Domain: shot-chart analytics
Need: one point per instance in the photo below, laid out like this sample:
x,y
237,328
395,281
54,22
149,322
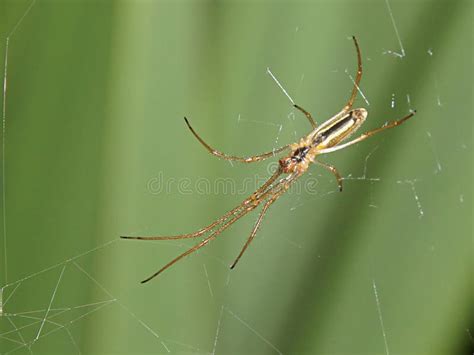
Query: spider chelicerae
x,y
325,138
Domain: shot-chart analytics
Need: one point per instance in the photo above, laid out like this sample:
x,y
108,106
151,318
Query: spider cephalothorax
x,y
298,160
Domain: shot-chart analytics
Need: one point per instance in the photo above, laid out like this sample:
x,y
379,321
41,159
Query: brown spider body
x,y
325,138
332,132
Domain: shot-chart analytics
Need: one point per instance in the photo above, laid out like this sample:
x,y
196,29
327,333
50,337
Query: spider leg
x,y
285,184
307,114
204,242
349,104
218,231
256,226
333,170
255,196
367,135
219,154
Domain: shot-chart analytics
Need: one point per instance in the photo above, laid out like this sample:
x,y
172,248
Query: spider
x,y
325,138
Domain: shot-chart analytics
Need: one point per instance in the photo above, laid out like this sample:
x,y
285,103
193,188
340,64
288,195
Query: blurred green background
x,y
96,95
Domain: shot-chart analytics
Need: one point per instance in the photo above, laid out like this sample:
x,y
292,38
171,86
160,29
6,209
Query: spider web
x,y
82,297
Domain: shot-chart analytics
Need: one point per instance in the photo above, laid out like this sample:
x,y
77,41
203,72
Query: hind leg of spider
x,y
349,104
333,170
307,114
367,134
219,154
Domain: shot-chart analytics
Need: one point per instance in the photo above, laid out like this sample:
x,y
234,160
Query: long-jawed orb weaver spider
x,y
325,138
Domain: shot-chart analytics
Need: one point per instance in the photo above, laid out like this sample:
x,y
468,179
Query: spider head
x,y
287,165
297,160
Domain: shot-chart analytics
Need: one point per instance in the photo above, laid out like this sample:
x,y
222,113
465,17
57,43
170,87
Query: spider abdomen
x,y
337,130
